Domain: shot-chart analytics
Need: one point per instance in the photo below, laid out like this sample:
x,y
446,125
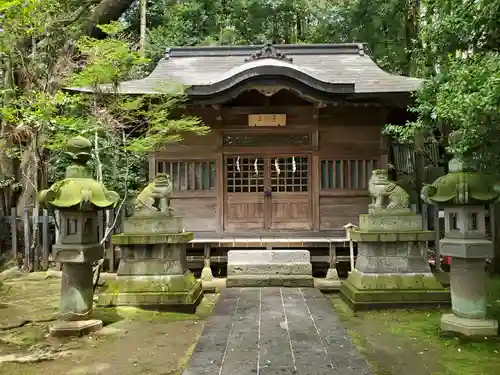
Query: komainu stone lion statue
x,y
159,190
381,190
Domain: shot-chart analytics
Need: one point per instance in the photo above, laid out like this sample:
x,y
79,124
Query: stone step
x,y
241,281
268,256
258,268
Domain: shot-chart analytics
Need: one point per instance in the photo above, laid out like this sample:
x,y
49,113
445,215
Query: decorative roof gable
x,y
269,52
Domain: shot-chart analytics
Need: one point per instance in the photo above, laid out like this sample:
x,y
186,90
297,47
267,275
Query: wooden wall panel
x,y
290,212
335,212
350,133
199,214
192,146
358,142
350,116
244,212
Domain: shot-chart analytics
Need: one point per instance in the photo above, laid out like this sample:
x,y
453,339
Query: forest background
x,y
46,45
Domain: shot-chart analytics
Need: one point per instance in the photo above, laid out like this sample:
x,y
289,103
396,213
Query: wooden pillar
x,y
206,273
58,235
315,172
419,168
27,240
437,230
332,273
219,188
38,239
45,240
152,165
13,231
315,187
110,250
385,141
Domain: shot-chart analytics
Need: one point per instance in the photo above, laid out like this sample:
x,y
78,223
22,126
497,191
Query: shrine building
x,y
295,134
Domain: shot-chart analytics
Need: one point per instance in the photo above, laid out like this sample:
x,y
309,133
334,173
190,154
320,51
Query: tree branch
x,y
104,13
76,14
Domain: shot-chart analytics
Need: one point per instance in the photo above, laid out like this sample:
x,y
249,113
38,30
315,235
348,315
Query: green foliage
x,y
123,127
459,55
379,23
463,99
108,60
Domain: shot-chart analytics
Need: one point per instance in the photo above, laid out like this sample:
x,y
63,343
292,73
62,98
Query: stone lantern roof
x,y
78,188
463,185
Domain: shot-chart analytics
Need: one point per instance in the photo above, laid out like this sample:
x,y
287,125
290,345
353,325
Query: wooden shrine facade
x,y
308,175
295,134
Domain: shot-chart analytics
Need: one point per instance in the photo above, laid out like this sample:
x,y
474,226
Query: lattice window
x,y
346,174
289,174
266,139
189,175
244,174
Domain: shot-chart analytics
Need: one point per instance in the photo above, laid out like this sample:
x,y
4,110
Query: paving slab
x,y
275,331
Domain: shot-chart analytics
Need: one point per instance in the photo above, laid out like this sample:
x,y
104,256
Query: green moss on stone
x,y
393,281
163,292
480,189
393,236
369,299
160,284
138,239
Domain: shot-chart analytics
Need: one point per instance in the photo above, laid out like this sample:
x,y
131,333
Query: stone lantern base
x,y
469,327
153,274
64,328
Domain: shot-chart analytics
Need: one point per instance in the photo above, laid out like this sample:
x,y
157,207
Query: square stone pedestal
x,y
392,269
177,293
469,327
153,274
259,268
64,328
363,291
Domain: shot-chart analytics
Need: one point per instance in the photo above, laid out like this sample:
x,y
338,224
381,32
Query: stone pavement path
x,y
275,331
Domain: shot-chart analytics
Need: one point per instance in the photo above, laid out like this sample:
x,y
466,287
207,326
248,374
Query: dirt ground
x,y
132,342
409,342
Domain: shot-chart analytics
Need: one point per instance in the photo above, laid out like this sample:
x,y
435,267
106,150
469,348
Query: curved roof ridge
x,y
324,66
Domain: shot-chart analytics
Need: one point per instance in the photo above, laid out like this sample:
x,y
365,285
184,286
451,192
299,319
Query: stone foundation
x,y
166,292
391,267
64,328
469,327
259,268
154,274
363,291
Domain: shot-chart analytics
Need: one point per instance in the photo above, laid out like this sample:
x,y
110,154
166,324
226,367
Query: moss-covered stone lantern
x,y
463,194
78,198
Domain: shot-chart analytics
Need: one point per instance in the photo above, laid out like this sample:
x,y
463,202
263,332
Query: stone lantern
x,y
78,198
463,194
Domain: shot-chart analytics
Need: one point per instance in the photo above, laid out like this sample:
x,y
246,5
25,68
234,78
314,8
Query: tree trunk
x,y
411,34
106,12
143,27
495,230
6,167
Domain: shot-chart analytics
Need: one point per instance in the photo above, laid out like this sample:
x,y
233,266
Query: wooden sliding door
x,y
267,193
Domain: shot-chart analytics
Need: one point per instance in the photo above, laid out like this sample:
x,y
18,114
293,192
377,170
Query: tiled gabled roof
x,y
327,67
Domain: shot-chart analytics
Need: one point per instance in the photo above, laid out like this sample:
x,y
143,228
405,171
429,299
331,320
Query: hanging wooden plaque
x,y
267,120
